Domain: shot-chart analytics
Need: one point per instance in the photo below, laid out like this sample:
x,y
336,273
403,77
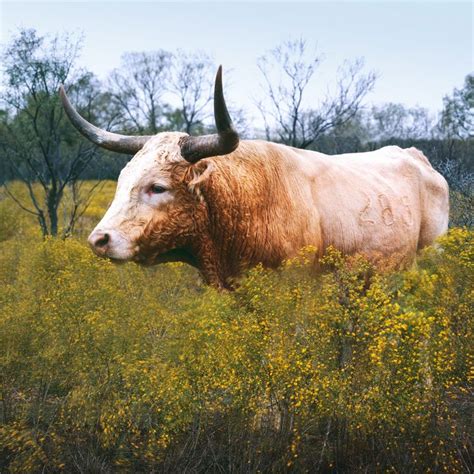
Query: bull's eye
x,y
157,189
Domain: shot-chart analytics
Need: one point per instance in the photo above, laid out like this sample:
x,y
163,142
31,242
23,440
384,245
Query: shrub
x,y
107,368
14,222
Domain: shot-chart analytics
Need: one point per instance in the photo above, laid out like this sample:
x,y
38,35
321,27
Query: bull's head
x,y
154,212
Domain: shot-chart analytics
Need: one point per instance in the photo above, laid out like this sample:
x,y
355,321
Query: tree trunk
x,y
52,202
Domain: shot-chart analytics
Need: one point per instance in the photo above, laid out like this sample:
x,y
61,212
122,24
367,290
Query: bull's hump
x,y
163,147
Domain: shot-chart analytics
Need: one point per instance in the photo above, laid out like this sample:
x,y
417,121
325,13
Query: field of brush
x,y
107,368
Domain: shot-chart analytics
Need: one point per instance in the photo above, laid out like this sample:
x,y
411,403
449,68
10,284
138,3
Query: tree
x,y
457,117
461,196
456,127
348,137
42,149
287,71
192,82
137,88
392,120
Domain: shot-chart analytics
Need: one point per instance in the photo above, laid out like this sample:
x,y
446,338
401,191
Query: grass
x,y
108,368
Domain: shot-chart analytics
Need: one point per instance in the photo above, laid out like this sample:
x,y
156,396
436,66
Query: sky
x,y
420,50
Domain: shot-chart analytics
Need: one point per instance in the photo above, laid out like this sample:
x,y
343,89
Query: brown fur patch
x,y
234,218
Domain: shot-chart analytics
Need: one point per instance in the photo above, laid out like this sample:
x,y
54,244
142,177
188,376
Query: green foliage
x,y
107,368
38,144
14,222
457,118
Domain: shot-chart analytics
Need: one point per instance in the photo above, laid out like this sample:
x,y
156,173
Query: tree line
x,y
161,90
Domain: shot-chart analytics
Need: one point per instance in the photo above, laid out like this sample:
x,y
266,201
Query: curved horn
x,y
223,142
111,141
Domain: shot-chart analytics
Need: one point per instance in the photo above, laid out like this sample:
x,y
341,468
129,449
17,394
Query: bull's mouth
x,y
118,261
177,255
183,255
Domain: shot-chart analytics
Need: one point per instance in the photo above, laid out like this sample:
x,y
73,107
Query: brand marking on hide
x,y
387,213
363,213
407,216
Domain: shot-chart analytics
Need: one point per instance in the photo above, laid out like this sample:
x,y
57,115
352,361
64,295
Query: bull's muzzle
x,y
100,242
111,243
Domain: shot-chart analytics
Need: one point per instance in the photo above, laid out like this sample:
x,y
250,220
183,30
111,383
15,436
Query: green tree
x,y
41,147
457,118
391,120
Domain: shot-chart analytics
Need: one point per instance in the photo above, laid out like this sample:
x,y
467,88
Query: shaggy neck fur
x,y
250,213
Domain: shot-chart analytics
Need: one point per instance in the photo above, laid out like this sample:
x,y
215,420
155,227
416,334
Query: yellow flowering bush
x,y
108,368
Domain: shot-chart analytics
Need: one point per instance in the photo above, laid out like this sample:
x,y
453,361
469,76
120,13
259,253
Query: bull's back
x,y
385,204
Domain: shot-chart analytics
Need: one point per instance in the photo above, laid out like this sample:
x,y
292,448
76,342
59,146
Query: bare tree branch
x,y
192,82
287,73
137,89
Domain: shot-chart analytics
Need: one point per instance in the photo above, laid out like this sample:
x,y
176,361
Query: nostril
x,y
102,241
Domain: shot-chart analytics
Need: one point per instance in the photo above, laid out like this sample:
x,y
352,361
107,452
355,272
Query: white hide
x,y
133,205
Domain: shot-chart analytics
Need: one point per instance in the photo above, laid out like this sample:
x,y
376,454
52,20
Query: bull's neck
x,y
247,203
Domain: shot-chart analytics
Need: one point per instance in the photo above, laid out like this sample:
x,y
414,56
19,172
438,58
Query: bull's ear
x,y
199,174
